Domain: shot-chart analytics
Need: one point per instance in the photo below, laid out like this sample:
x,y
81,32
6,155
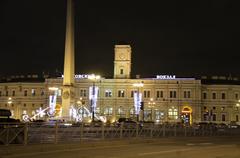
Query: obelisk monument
x,y
69,64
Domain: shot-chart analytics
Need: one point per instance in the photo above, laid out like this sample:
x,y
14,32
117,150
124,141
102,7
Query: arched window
x,y
159,115
121,111
223,117
132,112
173,113
214,117
108,111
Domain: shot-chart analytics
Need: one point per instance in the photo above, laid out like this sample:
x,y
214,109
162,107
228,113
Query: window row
x,y
145,94
215,95
213,117
25,93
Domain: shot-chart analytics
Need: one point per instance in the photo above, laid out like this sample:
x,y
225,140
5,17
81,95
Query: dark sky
x,y
185,38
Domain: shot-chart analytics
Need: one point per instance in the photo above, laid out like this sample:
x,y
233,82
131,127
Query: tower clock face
x,y
121,56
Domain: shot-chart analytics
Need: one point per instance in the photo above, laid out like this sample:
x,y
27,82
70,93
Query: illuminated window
x,y
108,111
121,112
173,113
83,112
159,115
108,93
59,92
121,93
132,112
33,92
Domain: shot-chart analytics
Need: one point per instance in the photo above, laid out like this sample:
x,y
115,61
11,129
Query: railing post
x,y
7,139
121,130
194,131
137,130
81,131
175,130
56,133
25,134
164,130
151,134
102,130
185,131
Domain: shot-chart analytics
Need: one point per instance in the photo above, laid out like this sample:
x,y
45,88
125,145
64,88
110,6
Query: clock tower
x,y
122,61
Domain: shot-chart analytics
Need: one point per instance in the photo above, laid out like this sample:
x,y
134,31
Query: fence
x,y
35,133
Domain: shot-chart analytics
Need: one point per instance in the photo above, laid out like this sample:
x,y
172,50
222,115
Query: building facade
x,y
165,98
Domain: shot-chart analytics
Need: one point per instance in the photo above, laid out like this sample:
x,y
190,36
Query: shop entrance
x,y
186,115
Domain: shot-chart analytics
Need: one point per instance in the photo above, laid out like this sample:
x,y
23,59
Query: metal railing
x,y
35,133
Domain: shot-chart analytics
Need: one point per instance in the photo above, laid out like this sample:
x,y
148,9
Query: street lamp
x,y
151,104
9,101
93,96
138,99
238,104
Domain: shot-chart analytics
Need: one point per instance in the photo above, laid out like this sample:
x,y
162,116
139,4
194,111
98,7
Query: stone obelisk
x,y
69,64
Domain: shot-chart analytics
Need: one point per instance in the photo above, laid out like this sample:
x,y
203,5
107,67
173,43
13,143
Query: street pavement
x,y
178,147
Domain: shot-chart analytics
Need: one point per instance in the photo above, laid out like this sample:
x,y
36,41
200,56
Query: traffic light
x,y
141,105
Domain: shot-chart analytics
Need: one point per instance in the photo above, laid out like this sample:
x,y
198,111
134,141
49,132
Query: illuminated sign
x,y
166,77
82,76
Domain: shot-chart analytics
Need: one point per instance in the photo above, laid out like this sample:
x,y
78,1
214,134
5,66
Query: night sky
x,y
186,38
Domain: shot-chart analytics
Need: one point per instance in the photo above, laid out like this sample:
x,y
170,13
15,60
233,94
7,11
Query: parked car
x,y
233,124
126,122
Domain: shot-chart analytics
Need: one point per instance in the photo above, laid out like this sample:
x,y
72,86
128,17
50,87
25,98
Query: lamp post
x,y
237,109
138,99
151,104
93,95
238,104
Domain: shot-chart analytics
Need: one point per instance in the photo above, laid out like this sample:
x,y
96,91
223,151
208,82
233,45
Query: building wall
x,y
113,106
24,100
225,102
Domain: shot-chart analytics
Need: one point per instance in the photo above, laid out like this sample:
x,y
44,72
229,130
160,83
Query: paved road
x,y
203,147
